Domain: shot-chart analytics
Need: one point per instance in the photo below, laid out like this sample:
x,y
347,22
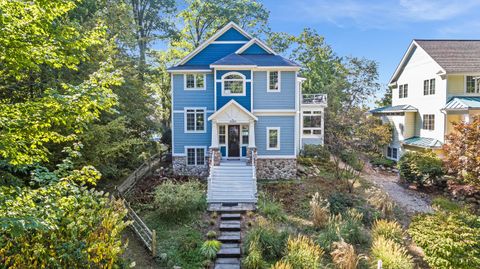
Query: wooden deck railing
x,y
144,169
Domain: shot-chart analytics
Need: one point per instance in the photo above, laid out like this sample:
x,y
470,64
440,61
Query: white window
x,y
195,120
221,134
273,81
273,138
194,81
429,121
195,155
472,84
392,153
312,122
244,134
429,87
403,91
233,84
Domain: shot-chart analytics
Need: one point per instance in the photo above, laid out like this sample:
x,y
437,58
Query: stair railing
x,y
211,163
254,171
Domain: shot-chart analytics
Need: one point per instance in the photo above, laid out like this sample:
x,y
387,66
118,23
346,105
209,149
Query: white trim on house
x,y
311,129
297,123
212,38
230,42
465,84
277,156
183,111
207,71
205,154
278,138
274,112
232,102
251,90
243,80
255,67
259,43
246,80
185,88
215,89
204,120
171,116
279,81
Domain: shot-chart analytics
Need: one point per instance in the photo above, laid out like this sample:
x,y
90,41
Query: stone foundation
x,y
181,168
276,168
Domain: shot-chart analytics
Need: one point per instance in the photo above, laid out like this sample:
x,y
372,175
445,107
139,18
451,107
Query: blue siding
x,y
244,151
287,134
285,99
245,101
212,53
255,49
232,35
223,151
183,98
182,139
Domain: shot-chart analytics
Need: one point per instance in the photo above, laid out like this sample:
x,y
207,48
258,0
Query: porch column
x,y
214,134
251,134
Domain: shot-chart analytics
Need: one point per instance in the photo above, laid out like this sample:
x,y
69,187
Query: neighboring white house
x,y
436,83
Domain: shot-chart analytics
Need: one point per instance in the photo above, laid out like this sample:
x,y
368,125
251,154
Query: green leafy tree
x,y
386,100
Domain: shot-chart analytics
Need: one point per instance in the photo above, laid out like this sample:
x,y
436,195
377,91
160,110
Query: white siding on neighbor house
x,y
421,67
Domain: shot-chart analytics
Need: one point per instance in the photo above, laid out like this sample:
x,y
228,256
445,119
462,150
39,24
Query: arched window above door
x,y
233,84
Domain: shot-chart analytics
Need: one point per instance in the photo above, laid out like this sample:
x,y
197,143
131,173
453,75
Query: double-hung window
x,y
196,156
273,81
429,87
221,134
312,122
403,91
195,120
273,138
472,84
429,121
244,134
233,84
392,153
194,81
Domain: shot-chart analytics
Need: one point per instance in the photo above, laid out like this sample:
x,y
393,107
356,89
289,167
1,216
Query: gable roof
x,y
255,41
213,38
235,104
463,103
453,56
254,60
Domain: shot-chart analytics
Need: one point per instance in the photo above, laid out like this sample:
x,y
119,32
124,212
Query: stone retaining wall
x,y
181,168
276,168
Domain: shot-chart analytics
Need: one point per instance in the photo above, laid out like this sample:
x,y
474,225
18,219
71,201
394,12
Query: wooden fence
x,y
146,168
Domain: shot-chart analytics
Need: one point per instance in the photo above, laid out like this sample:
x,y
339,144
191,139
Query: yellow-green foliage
x,y
381,201
281,265
388,230
320,211
61,225
449,239
303,253
344,256
173,198
393,255
254,259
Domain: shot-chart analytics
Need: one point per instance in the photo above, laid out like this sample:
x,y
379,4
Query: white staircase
x,y
232,182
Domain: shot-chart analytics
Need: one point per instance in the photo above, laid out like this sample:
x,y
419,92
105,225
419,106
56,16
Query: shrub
x,y
339,202
392,255
442,203
303,253
389,230
352,158
420,167
344,256
211,235
318,152
270,208
269,240
456,237
173,198
320,211
382,161
210,248
281,265
462,157
381,201
254,259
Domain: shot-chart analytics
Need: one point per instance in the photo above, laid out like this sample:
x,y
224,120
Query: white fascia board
x,y
191,71
258,42
277,68
212,38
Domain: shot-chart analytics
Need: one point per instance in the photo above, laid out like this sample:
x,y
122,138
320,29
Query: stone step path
x,y
230,227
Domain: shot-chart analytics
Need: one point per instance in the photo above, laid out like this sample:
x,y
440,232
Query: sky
x,y
379,30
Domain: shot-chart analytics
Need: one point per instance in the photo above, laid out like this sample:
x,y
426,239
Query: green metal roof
x,y
423,142
463,103
394,109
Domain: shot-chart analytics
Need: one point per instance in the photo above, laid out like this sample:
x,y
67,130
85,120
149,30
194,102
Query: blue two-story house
x,y
235,101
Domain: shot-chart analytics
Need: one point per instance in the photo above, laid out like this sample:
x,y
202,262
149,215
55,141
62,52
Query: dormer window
x,y
194,82
273,81
233,84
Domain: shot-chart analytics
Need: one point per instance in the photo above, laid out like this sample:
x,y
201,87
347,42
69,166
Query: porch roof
x,y
423,142
393,109
462,103
232,112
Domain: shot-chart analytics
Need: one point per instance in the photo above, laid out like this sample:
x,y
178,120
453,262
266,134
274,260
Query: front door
x,y
234,141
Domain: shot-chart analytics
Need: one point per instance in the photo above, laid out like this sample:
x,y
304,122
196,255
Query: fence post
x,y
379,264
154,243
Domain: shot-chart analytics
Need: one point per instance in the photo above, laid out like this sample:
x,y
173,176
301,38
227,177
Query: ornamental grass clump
x,y
344,256
381,201
254,259
281,265
270,241
210,248
320,213
172,198
392,255
389,230
303,253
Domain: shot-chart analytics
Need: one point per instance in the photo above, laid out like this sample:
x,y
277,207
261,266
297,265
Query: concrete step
x,y
229,237
236,200
228,216
229,253
231,245
227,266
237,207
228,261
230,225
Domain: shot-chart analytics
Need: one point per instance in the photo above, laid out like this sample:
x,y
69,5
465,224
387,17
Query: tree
x,y
386,100
462,154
